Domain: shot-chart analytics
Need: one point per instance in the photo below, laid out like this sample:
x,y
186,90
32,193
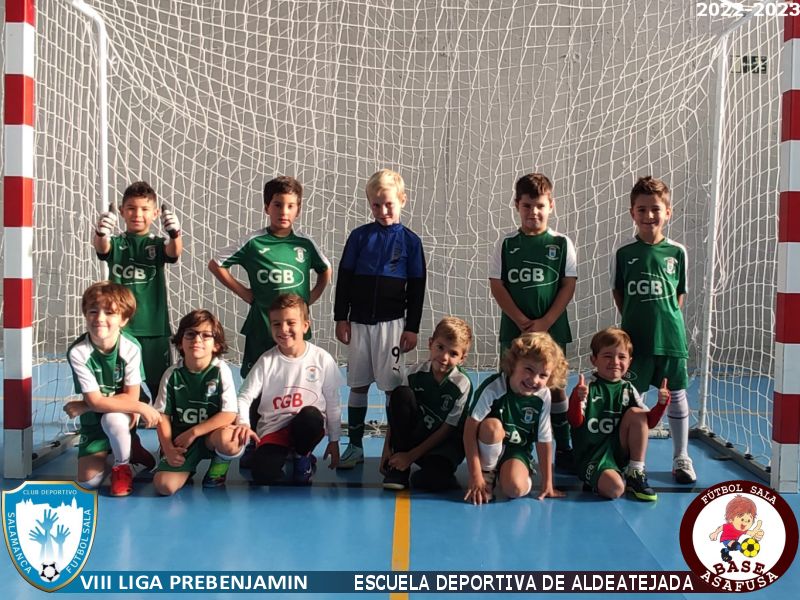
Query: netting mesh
x,y
207,103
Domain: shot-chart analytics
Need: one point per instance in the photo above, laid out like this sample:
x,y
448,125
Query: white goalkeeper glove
x,y
169,221
107,223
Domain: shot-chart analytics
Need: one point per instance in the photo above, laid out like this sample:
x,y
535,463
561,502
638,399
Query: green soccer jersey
x,y
137,262
191,398
606,403
274,265
526,419
95,371
531,268
650,279
442,402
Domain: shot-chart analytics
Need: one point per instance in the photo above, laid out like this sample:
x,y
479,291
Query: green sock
x,y
355,424
219,467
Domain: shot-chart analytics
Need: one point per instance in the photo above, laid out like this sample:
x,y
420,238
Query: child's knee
x,y
516,487
166,486
610,485
491,431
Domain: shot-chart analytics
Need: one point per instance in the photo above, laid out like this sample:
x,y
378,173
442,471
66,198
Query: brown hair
x,y
198,317
454,330
650,186
538,347
534,185
739,506
283,185
109,296
611,336
285,301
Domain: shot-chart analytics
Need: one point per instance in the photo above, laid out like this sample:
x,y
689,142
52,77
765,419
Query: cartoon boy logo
x,y
739,516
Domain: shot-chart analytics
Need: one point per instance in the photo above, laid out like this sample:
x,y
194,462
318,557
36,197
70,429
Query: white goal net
x,y
208,100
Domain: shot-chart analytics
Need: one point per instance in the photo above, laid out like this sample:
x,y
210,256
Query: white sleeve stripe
x,y
227,252
316,247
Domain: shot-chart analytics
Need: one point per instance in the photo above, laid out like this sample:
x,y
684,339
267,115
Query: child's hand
x,y
400,461
408,341
343,332
386,454
523,325
549,491
185,439
150,416
477,490
174,455
107,223
169,221
663,393
243,434
536,325
333,451
76,408
581,391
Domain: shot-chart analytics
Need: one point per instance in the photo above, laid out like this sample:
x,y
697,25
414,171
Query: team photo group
x,y
289,400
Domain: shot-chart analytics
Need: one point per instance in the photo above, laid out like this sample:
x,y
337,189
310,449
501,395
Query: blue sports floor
x,y
346,521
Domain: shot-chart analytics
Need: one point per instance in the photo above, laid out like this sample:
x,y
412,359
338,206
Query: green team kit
x,y
189,398
439,404
93,370
531,268
137,262
650,278
596,442
274,265
525,419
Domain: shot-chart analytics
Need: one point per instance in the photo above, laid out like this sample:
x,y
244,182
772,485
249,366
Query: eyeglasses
x,y
191,335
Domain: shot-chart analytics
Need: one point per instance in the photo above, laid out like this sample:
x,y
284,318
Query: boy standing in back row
x,y
532,277
648,281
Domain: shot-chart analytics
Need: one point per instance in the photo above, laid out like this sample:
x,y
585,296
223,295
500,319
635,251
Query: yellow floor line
x,y
401,540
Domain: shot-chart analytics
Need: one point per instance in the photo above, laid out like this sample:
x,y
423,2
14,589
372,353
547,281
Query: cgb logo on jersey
x,y
49,530
285,276
739,536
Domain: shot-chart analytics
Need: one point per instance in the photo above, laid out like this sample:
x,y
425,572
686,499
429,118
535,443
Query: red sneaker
x,y
121,480
140,455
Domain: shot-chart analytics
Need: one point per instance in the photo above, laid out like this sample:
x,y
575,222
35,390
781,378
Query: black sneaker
x,y
565,461
422,480
636,483
395,479
726,555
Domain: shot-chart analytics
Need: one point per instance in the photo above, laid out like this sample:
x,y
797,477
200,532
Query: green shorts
x,y
156,359
198,451
651,370
609,455
521,453
93,440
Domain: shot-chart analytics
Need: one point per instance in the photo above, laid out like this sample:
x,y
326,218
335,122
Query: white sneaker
x,y
683,470
352,456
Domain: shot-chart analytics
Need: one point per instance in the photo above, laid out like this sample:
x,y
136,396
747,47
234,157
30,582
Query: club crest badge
x,y
670,264
299,254
151,252
527,415
552,252
49,529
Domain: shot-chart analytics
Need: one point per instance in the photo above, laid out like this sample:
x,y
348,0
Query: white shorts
x,y
374,355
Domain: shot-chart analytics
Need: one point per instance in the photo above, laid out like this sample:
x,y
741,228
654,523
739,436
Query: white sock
x,y
94,482
678,414
489,455
116,427
634,465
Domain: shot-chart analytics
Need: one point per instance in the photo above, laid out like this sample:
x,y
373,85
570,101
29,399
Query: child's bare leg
x,y
633,433
223,442
610,484
515,478
92,470
169,482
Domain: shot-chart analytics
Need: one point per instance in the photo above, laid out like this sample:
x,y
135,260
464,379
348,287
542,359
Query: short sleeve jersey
x,y
442,402
526,419
137,262
650,278
531,268
190,398
95,371
282,386
274,265
605,406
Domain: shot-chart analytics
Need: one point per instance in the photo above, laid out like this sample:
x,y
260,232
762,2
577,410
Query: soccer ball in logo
x,y
750,547
49,572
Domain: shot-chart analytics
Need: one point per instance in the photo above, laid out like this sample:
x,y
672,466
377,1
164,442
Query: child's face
x,y
282,210
534,213
612,362
198,346
386,206
742,522
650,213
445,355
288,327
104,325
139,214
529,376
